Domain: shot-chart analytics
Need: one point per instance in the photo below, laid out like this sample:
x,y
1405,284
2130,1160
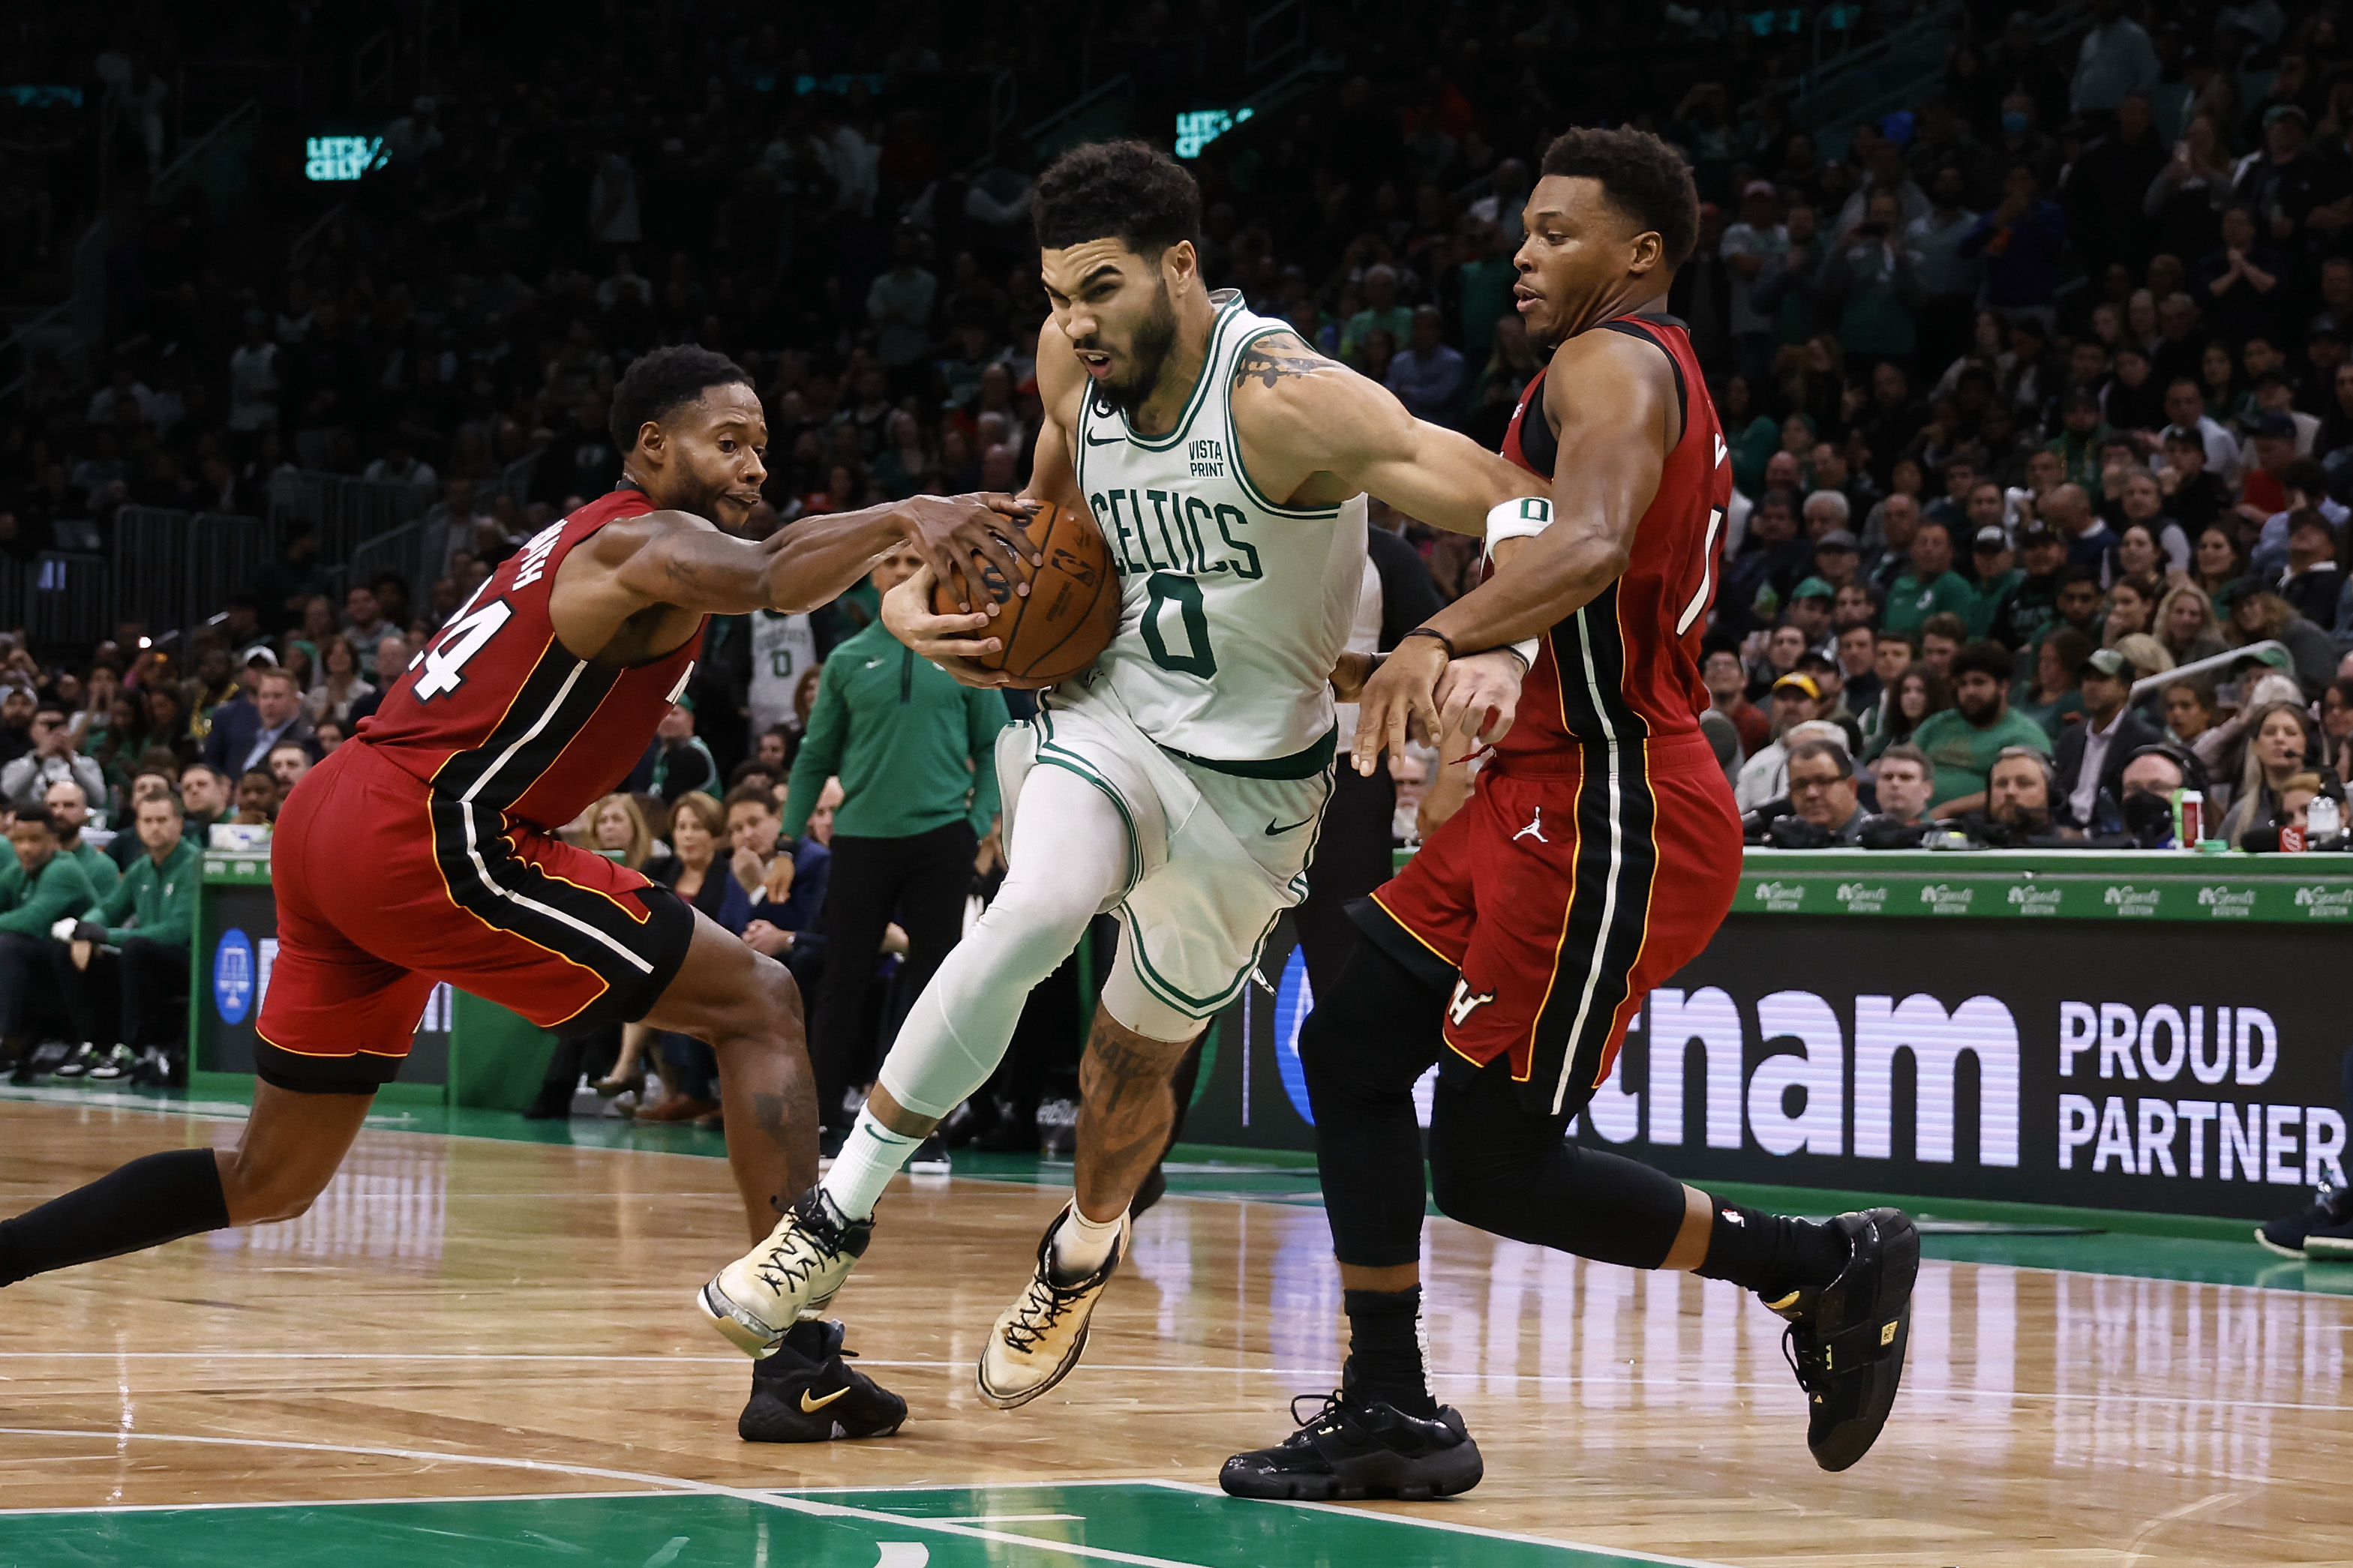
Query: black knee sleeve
x,y
1362,1047
1495,1165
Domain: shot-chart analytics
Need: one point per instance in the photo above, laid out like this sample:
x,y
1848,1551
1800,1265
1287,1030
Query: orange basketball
x,y
1072,610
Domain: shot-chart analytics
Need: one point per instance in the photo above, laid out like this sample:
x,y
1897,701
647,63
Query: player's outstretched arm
x,y
678,559
1310,424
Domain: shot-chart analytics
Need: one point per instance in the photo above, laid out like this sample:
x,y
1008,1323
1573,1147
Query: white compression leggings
x,y
1066,863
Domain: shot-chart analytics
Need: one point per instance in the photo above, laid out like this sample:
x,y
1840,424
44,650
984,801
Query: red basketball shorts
x,y
385,890
1561,894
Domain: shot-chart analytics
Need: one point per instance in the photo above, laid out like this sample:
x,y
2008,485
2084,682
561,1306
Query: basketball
x,y
1068,617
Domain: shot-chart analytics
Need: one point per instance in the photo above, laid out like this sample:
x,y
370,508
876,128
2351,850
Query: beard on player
x,y
693,435
1135,370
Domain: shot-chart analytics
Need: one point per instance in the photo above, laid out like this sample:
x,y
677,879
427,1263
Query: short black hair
x,y
1647,179
2070,575
1126,190
36,816
665,379
1982,658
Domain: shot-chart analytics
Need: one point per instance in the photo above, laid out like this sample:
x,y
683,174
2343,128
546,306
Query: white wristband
x,y
1526,650
1522,517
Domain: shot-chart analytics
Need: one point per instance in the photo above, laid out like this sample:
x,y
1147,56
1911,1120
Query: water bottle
x,y
2324,821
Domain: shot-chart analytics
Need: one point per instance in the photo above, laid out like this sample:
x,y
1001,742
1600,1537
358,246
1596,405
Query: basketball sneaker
x,y
1846,1338
1039,1339
756,1300
804,1393
2291,1235
1356,1447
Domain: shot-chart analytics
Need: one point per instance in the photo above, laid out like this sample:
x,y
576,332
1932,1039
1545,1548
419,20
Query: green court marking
x,y
2194,1249
1142,1523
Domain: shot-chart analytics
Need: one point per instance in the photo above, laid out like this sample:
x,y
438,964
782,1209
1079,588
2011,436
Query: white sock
x,y
1082,1245
869,1157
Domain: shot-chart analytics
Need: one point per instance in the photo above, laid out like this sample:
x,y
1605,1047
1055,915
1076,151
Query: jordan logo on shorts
x,y
1466,1002
1535,829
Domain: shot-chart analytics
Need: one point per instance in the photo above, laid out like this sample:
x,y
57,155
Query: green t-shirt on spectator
x,y
1397,321
1963,754
1911,600
1486,289
1991,593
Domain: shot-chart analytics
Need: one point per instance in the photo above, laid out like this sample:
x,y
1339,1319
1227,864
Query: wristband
x,y
1524,651
1522,517
1443,640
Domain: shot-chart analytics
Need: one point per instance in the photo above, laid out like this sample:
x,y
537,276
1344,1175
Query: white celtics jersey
x,y
784,650
1233,608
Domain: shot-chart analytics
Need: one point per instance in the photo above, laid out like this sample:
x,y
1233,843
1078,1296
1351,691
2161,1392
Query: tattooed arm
x,y
1314,432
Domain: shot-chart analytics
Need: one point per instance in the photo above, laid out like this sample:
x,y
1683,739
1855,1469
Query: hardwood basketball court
x,y
482,1351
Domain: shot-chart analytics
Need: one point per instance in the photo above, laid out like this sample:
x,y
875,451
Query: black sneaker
x,y
1354,1447
1846,1340
803,1394
2287,1235
112,1064
79,1063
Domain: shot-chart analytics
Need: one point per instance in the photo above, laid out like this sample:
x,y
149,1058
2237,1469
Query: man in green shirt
x,y
50,886
1963,740
1931,587
1998,577
69,808
915,753
134,940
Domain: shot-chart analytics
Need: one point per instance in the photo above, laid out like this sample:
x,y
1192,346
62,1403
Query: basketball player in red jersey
x,y
423,851
1598,857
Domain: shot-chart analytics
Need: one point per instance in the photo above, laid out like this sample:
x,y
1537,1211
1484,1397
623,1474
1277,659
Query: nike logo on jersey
x,y
811,1407
873,664
1274,832
1115,441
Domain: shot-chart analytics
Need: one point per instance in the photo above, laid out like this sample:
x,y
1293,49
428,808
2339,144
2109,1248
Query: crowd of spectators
x,y
2037,395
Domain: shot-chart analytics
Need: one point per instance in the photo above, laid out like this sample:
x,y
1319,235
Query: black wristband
x,y
1443,640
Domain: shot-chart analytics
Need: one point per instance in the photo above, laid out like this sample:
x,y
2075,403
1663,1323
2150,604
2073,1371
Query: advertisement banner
x,y
2158,1067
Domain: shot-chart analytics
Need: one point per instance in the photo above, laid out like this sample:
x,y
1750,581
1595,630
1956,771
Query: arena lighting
x,y
329,158
1197,127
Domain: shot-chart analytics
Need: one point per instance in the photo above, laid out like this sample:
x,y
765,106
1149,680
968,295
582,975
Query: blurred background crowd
x,y
2028,331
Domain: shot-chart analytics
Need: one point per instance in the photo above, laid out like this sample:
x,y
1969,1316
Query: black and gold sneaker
x,y
1353,1447
1846,1338
805,1393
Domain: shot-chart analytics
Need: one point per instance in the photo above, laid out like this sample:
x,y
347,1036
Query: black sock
x,y
1771,1254
1385,1348
155,1199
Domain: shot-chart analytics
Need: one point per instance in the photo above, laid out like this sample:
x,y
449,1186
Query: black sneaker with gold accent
x,y
805,1393
1355,1447
1846,1338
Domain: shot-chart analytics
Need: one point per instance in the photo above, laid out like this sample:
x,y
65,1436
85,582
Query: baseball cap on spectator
x,y
1814,588
1758,188
1838,538
1992,537
2278,657
1800,683
2037,533
2279,111
2110,663
2276,425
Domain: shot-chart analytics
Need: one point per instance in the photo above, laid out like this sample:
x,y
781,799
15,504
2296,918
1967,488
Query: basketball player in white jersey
x,y
1180,780
784,650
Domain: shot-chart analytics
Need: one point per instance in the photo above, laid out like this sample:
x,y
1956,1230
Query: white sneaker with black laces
x,y
1039,1339
114,1064
756,1299
79,1064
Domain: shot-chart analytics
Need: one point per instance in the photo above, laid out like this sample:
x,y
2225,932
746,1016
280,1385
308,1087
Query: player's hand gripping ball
x,y
1071,613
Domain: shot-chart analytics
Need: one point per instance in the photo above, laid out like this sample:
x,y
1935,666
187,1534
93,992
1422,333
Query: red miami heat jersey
x,y
1626,666
499,713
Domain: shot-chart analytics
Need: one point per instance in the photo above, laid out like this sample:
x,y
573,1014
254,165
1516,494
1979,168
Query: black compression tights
x,y
1493,1165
